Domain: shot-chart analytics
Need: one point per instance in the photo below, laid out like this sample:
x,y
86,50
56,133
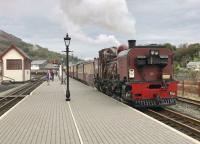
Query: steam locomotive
x,y
141,75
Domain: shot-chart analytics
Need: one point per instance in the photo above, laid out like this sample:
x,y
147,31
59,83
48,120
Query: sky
x,y
94,25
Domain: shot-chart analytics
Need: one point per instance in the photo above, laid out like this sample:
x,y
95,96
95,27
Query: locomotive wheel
x,y
125,98
100,89
109,91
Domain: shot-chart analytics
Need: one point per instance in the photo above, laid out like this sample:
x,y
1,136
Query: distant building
x,y
50,66
15,65
194,66
54,61
38,65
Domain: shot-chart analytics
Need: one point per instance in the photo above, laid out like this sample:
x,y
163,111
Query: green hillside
x,y
34,51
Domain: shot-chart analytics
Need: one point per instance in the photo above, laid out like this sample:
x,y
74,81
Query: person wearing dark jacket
x,y
52,75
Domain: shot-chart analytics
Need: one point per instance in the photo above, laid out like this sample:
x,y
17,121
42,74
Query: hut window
x,y
14,64
27,64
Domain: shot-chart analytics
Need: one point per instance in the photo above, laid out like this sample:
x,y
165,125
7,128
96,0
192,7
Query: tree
x,y
170,46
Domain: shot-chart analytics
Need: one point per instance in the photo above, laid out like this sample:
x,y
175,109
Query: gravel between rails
x,y
187,109
7,87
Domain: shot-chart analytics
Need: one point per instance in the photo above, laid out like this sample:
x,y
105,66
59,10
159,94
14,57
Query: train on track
x,y
141,75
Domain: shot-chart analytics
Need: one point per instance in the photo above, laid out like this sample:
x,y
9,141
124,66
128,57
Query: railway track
x,y
12,98
189,101
181,122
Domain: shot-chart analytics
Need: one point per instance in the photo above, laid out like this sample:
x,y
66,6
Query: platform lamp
x,y
67,43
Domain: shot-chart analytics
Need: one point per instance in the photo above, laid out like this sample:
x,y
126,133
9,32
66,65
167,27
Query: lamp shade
x,y
67,40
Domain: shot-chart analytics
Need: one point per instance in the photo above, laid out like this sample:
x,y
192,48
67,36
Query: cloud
x,y
175,21
17,9
42,22
78,34
112,15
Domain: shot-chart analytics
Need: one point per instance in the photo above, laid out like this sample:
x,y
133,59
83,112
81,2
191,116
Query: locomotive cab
x,y
152,59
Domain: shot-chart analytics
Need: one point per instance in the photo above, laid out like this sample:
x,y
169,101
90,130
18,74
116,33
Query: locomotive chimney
x,y
131,43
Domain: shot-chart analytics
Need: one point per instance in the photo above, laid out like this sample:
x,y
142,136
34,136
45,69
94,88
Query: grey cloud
x,y
112,14
166,21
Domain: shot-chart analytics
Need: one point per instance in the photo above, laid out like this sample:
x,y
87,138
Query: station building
x,y
15,65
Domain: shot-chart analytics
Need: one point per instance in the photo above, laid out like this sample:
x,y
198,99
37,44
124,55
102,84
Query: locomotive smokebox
x,y
131,43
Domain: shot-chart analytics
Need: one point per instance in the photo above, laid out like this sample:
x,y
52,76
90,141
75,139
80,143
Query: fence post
x,y
183,88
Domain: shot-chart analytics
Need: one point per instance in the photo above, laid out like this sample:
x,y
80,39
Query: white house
x,y
194,66
38,64
15,65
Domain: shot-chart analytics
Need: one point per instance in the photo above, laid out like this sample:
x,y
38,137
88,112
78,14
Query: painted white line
x,y
11,109
75,124
74,120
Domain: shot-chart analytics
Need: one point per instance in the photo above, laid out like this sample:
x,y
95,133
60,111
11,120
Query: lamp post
x,y
67,42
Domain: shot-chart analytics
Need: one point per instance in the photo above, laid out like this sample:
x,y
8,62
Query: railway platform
x,y
44,117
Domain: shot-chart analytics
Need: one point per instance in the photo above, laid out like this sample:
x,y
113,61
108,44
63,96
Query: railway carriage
x,y
89,72
80,71
71,73
75,72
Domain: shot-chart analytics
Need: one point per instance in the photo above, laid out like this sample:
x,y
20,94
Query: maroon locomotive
x,y
142,75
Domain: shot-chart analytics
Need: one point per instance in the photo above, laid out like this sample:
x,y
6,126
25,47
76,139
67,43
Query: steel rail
x,y
189,101
181,122
14,92
9,102
16,96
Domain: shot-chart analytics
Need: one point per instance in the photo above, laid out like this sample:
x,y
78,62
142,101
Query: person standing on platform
x,y
52,75
48,76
